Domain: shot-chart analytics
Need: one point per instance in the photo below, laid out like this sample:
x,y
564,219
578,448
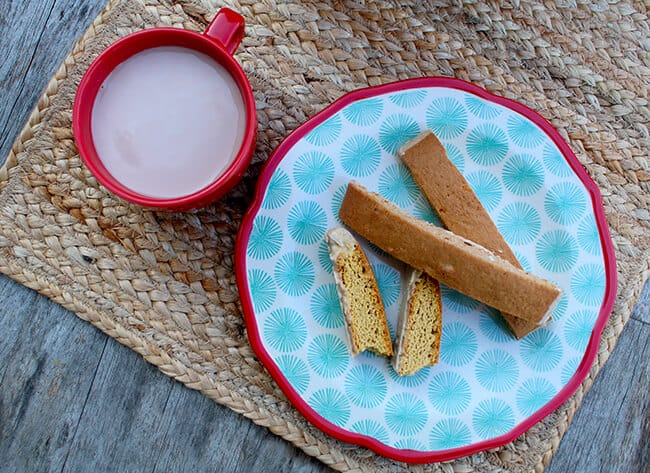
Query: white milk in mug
x,y
167,121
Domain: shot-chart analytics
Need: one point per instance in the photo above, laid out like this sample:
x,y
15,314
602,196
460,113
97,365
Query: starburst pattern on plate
x,y
454,300
449,393
265,239
492,417
365,386
397,130
422,209
371,428
482,108
588,284
557,251
405,414
262,289
325,307
306,222
364,112
446,117
524,132
313,172
410,444
408,99
554,161
523,175
523,261
494,327
278,191
397,185
388,280
326,133
578,329
360,155
296,372
449,433
561,307
570,369
411,381
565,203
519,223
533,394
496,370
294,273
332,405
455,156
487,144
337,199
588,235
458,345
541,350
285,330
328,355
324,257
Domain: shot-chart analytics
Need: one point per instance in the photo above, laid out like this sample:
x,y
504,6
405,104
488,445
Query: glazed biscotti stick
x,y
361,303
453,260
457,206
419,326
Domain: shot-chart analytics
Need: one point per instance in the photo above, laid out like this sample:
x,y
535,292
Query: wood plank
x,y
35,37
21,33
47,361
642,308
201,433
610,430
120,420
137,418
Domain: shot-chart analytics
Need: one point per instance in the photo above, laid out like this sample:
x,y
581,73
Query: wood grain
x,y
611,428
72,399
48,364
36,37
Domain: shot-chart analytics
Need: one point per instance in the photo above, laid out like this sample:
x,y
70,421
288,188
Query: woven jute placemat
x,y
163,284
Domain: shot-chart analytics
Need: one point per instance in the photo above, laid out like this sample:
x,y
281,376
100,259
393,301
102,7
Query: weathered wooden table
x,y
73,399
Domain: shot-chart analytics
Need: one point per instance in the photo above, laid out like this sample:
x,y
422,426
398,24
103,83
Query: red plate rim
x,y
413,456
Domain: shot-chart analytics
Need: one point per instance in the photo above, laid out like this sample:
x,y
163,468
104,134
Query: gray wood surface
x,y
72,399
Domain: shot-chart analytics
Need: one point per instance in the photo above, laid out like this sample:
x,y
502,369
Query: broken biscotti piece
x,y
457,206
451,259
419,326
359,295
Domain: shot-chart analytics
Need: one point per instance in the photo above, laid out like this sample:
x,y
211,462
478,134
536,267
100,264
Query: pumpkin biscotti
x,y
359,295
453,260
419,325
459,209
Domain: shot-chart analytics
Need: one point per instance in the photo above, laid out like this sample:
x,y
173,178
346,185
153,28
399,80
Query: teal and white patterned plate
x,y
488,387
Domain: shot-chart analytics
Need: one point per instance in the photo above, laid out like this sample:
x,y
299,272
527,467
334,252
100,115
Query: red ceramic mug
x,y
113,158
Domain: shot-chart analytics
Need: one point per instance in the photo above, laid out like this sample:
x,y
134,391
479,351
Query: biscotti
x,y
453,260
359,295
457,206
419,325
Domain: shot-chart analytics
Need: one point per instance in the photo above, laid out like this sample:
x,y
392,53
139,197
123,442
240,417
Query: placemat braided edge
x,y
25,267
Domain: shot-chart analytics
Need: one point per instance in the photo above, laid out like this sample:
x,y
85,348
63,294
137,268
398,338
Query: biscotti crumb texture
x,y
419,328
459,209
359,295
449,258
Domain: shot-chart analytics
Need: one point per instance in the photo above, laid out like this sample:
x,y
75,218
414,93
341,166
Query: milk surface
x,y
167,121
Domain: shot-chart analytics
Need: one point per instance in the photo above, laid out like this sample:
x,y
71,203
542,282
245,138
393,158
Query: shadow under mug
x,y
219,41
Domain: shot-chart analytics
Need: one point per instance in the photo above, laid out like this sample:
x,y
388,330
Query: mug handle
x,y
227,29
